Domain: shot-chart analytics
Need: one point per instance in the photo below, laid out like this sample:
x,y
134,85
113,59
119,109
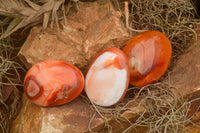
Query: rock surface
x,y
186,78
186,74
73,117
80,40
88,31
76,115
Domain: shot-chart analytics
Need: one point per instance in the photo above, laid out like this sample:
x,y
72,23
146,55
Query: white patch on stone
x,y
115,93
59,96
51,117
47,127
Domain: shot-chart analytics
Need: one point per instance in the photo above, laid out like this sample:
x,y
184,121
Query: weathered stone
x,y
81,39
44,46
186,74
193,128
87,32
76,116
186,78
72,117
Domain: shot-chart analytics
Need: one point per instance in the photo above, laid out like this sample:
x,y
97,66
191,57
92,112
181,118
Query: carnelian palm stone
x,y
107,78
149,54
51,83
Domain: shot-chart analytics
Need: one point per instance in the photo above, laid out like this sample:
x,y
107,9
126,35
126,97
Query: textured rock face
x,y
186,74
90,30
72,117
87,32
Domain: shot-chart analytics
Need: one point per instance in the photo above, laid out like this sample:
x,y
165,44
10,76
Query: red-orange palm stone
x,y
149,55
51,83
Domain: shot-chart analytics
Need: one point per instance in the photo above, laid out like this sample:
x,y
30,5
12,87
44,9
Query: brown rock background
x,y
72,117
88,31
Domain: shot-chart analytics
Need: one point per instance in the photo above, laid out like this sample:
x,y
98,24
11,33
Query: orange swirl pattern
x,y
51,83
149,55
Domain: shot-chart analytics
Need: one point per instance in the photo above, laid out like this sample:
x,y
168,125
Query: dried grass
x,y
23,13
8,68
164,112
176,19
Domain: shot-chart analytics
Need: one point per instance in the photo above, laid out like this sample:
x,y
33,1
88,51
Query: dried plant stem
x,y
162,111
8,75
126,11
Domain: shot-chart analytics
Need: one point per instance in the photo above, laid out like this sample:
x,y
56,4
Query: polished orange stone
x,y
51,83
149,55
107,78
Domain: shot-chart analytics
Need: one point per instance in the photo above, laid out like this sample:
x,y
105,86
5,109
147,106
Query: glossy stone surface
x,y
51,83
149,55
107,78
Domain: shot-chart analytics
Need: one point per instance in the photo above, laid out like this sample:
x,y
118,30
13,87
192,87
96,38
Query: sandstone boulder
x,y
88,31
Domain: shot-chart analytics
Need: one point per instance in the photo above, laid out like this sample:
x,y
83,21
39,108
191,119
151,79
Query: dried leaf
x,y
33,5
46,19
14,22
25,11
8,13
1,22
54,14
7,20
29,14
